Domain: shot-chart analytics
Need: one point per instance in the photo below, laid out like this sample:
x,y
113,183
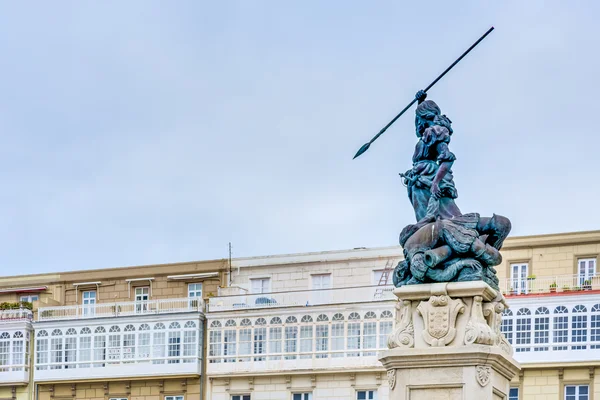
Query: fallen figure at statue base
x,y
463,248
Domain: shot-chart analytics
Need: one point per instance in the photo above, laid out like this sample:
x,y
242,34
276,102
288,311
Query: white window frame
x,y
518,277
512,396
118,398
175,397
193,293
314,278
577,394
241,396
586,275
263,288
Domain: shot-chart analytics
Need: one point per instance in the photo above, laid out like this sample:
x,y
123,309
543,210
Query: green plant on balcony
x,y
587,284
16,305
566,288
531,277
553,287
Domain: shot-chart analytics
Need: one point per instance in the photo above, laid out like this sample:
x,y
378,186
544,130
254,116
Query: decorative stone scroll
x,y
404,334
478,330
439,316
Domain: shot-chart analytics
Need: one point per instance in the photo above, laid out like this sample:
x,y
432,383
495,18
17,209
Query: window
x,y
189,342
595,327
507,325
160,340
523,331
370,333
366,395
195,292
229,340
42,350
173,397
560,329
144,341
587,270
579,327
99,346
337,335
353,334
518,277
306,337
4,350
302,396
291,338
88,299
385,328
275,339
260,339
245,342
577,392
18,351
513,394
542,328
174,343
85,346
118,398
321,281
240,397
214,342
30,298
322,336
260,285
142,295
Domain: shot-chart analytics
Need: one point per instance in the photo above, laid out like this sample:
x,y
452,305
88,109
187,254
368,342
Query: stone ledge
x,y
452,289
464,356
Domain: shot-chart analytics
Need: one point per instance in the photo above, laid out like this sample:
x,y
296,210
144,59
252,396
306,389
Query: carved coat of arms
x,y
439,316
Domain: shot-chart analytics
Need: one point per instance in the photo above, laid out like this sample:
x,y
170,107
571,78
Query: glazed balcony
x,y
553,329
323,338
14,348
147,345
120,309
302,298
549,284
20,314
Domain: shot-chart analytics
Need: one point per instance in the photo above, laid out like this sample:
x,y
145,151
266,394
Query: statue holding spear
x,y
444,245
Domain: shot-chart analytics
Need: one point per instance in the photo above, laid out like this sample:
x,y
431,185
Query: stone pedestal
x,y
447,344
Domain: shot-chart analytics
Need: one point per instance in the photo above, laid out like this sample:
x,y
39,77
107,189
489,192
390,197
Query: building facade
x,y
291,327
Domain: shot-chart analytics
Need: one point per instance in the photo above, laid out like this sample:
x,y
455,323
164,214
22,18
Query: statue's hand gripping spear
x,y
366,146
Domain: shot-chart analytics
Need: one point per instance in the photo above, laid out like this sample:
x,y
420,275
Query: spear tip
x,y
364,148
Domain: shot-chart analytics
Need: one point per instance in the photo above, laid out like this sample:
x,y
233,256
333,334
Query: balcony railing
x,y
18,314
549,284
361,294
131,308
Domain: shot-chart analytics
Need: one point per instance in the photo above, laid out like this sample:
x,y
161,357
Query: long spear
x,y
366,146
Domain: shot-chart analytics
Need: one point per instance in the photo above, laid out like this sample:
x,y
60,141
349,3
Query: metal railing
x,y
360,294
549,284
130,308
18,314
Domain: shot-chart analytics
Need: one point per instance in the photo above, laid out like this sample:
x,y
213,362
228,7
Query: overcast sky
x,y
145,132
